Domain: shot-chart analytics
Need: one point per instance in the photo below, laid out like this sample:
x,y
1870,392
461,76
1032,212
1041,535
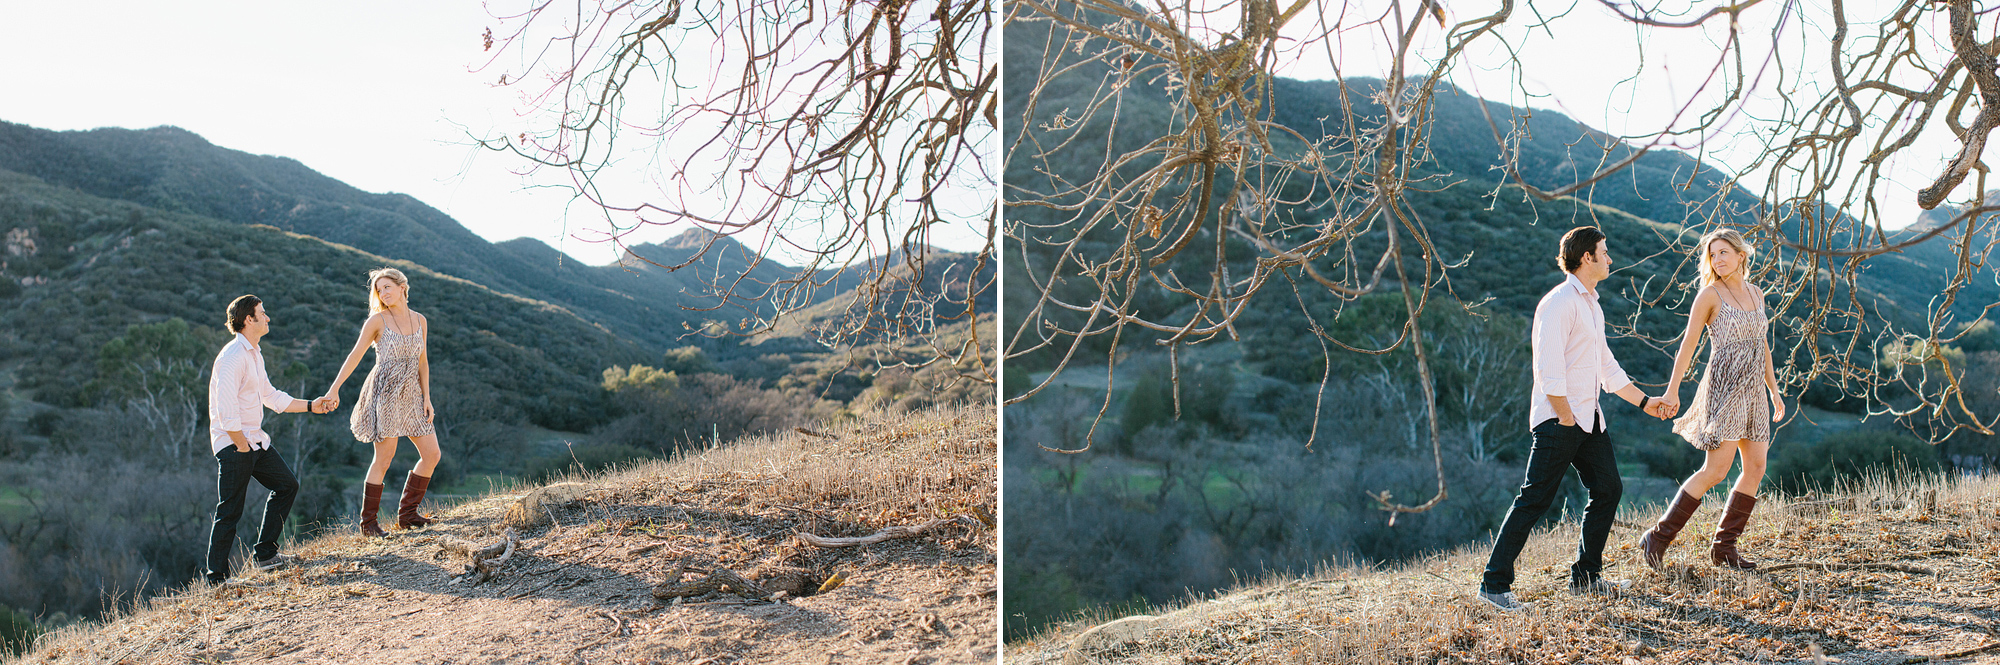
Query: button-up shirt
x,y
1570,356
237,385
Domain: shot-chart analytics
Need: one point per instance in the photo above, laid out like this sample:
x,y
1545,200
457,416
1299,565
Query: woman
x,y
1726,418
395,399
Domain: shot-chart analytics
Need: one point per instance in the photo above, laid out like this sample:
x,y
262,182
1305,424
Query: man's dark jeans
x,y
233,473
1557,448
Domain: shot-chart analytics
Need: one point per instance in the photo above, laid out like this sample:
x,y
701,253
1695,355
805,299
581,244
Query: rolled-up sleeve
x,y
277,400
1551,338
1610,375
227,383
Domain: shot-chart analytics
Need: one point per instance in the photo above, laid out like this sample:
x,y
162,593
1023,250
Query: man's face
x,y
1597,264
258,323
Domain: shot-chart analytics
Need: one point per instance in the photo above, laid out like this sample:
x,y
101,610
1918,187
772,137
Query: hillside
x,y
93,266
1888,572
587,585
172,170
120,256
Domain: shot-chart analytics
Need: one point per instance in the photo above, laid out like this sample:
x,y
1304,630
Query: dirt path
x,y
579,590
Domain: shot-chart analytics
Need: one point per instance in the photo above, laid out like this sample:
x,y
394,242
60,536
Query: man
x,y
1571,363
237,386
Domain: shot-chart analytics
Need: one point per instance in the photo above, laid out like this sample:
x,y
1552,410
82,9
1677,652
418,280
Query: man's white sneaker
x,y
276,561
1505,601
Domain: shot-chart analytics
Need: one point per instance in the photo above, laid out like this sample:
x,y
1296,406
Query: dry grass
x,y
578,589
1884,571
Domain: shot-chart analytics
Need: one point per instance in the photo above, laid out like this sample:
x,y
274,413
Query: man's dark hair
x,y
240,309
1578,242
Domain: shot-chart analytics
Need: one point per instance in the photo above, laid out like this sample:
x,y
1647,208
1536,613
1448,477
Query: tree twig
x,y
890,533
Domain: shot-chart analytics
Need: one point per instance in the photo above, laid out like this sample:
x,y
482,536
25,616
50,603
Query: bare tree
x,y
830,129
1172,191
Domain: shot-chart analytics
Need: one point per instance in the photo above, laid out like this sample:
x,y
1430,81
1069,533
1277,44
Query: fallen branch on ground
x,y
1851,566
484,562
1990,646
890,533
717,581
1843,503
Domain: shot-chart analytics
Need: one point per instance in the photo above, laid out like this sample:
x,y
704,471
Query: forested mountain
x,y
173,170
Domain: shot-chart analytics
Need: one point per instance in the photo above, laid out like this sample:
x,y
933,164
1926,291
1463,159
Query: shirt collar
x,y
245,341
1574,283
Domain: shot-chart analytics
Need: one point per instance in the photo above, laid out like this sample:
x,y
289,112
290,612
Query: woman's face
x,y
1723,257
389,292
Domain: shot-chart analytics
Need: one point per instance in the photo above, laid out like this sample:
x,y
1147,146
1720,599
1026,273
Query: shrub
x,y
1848,457
583,459
17,632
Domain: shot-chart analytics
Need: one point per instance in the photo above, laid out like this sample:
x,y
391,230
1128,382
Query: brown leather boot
x,y
371,505
1653,543
1735,516
407,516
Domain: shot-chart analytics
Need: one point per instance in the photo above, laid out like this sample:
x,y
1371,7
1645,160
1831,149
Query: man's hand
x,y
1660,408
325,404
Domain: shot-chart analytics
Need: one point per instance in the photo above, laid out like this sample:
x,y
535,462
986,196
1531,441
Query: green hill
x,y
173,170
95,266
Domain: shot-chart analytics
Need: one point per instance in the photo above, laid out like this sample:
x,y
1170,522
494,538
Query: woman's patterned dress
x,y
1732,403
392,399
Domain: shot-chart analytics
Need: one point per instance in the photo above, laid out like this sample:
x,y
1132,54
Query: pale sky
x,y
1576,56
380,95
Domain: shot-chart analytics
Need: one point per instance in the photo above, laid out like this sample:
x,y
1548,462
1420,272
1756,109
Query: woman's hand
x,y
1777,407
429,413
1670,404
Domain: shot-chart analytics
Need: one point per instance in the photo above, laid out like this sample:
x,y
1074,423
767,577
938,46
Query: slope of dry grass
x,y
580,590
1883,572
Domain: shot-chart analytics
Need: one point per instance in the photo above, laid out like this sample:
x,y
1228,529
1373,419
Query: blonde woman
x,y
395,399
1737,393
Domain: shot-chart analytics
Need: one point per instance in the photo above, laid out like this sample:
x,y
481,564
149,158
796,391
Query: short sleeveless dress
x,y
1732,403
392,399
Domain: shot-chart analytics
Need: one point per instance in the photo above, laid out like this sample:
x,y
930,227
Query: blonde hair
x,y
375,300
1736,241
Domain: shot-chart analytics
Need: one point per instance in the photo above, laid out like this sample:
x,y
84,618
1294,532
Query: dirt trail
x,y
579,589
1886,574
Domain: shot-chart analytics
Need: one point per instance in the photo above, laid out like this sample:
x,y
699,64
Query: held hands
x,y
325,404
1663,407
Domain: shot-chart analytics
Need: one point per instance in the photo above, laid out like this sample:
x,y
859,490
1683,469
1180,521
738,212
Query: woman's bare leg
x,y
427,447
1713,470
385,451
1753,466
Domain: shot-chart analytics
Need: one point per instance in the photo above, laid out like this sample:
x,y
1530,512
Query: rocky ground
x,y
612,570
1887,573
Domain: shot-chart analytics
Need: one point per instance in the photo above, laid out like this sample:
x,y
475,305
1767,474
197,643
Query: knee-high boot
x,y
371,505
1653,544
407,516
1735,517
